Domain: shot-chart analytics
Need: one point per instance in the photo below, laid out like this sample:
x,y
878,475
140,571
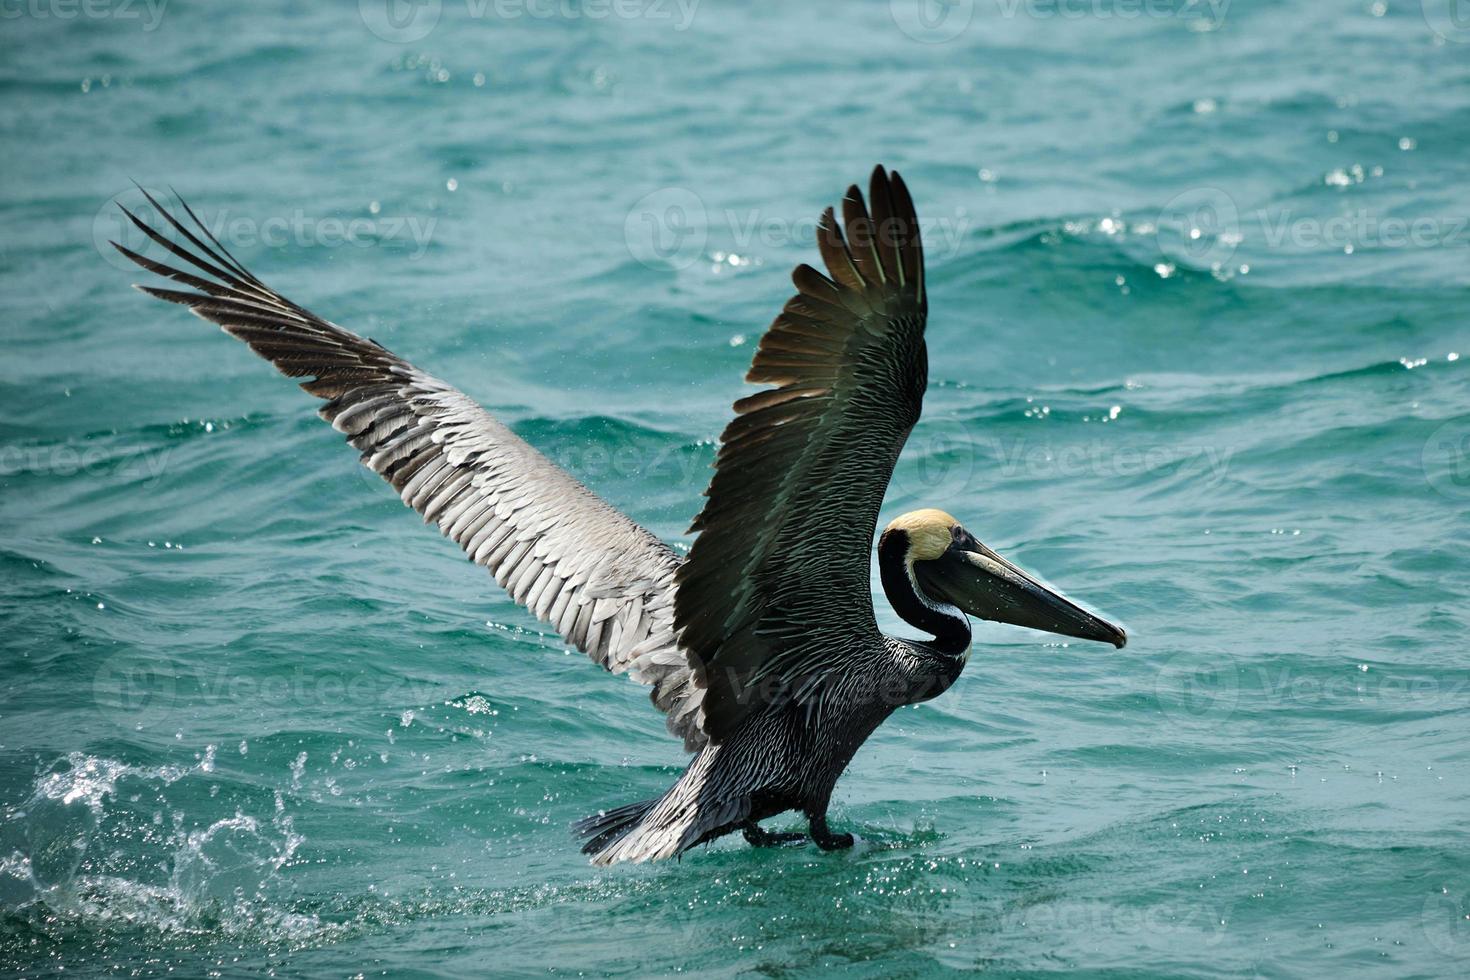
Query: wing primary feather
x,y
859,230
887,231
509,507
784,537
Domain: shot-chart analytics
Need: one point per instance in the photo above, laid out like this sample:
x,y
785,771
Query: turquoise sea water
x,y
1199,282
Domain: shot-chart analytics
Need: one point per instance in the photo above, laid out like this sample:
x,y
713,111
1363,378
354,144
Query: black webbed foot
x,y
757,837
827,840
835,842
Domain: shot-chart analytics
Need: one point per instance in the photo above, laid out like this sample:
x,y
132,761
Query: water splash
x,y
232,863
221,879
58,821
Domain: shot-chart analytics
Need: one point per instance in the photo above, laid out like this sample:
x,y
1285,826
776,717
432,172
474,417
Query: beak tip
x,y
1121,641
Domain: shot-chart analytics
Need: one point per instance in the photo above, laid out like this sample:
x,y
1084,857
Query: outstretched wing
x,y
600,580
778,579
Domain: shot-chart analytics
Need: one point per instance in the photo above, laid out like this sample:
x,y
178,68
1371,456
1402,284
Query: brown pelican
x,y
761,646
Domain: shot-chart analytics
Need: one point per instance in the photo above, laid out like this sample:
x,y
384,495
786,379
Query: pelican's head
x,y
945,565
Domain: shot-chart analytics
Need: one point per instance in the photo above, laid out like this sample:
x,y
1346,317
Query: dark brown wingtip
x,y
877,180
828,229
896,182
132,256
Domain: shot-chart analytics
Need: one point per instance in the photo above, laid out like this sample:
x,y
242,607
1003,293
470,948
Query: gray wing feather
x,y
600,580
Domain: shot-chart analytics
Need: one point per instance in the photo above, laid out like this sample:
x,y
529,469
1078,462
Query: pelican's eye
x,y
963,540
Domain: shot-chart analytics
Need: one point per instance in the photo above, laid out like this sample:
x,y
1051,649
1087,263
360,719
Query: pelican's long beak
x,y
983,584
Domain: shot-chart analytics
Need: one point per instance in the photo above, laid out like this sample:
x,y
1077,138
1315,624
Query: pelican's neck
x,y
949,627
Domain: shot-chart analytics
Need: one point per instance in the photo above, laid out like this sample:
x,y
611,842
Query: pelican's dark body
x,y
761,646
787,756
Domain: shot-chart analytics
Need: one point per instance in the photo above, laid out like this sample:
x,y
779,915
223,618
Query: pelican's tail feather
x,y
608,826
691,812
